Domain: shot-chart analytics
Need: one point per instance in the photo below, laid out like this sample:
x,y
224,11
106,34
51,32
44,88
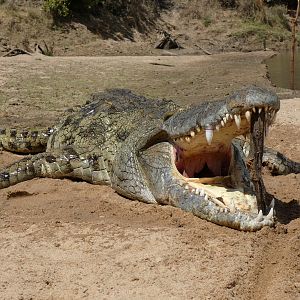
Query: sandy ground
x,y
61,239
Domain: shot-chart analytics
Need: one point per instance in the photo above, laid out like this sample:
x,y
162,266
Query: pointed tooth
x,y
218,202
254,110
218,127
248,115
272,204
231,116
209,135
188,139
192,133
259,110
186,187
202,193
237,119
259,217
198,129
197,192
227,116
206,197
222,123
270,214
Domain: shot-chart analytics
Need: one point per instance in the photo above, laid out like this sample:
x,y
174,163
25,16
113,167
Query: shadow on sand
x,y
119,22
285,212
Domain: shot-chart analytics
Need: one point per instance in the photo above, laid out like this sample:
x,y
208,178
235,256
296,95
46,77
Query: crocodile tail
x,y
24,141
51,165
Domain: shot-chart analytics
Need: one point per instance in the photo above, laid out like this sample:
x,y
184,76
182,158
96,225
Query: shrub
x,y
58,8
64,8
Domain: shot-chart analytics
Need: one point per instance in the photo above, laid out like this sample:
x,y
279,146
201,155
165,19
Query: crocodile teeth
x,y
272,204
188,139
237,119
259,110
219,203
222,123
227,116
254,110
218,127
197,192
270,214
202,193
206,198
192,133
231,116
259,217
209,135
248,115
225,120
198,129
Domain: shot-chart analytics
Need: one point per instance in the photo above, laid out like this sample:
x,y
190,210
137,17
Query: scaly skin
x,y
144,149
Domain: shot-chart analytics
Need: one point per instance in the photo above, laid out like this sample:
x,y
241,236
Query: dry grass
x,y
204,10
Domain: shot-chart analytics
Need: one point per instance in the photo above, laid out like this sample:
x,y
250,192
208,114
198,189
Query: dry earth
x,y
61,239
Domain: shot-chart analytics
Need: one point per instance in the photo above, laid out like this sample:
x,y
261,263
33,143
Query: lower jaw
x,y
221,192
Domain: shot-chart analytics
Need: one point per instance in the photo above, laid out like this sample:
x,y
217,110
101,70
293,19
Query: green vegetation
x,y
63,8
58,8
250,18
207,21
261,31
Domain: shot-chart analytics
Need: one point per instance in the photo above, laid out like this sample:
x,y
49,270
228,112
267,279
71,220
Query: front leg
x,y
58,163
278,164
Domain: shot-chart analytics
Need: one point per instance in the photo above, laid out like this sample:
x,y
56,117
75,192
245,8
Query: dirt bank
x,y
70,240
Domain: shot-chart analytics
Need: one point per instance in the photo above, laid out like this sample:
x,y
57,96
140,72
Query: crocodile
x,y
156,151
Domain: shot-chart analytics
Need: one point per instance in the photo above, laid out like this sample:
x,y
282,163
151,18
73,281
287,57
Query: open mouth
x,y
208,166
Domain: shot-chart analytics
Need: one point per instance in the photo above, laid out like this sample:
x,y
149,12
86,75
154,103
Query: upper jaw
x,y
217,135
211,116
